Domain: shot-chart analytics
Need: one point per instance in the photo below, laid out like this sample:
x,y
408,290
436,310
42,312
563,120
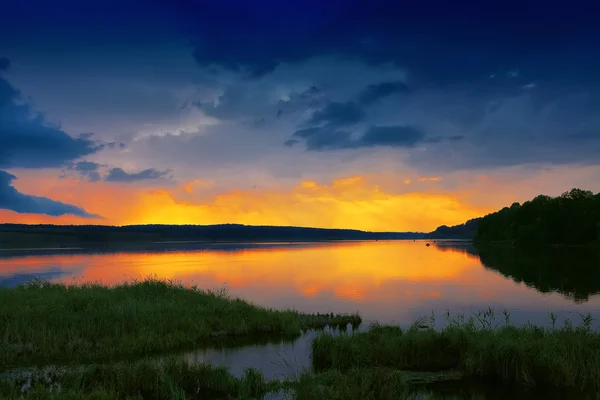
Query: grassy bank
x,y
179,380
143,380
564,357
45,322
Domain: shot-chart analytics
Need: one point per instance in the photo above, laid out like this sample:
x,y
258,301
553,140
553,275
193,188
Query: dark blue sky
x,y
250,93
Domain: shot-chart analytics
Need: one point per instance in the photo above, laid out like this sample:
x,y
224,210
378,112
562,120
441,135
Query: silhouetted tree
x,y
571,218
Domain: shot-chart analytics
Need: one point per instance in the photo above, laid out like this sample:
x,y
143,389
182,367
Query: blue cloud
x,y
87,169
330,137
326,138
11,199
372,93
337,114
392,136
438,41
505,83
86,166
457,42
118,175
28,141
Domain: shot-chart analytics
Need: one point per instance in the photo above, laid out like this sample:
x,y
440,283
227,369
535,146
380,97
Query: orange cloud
x,y
191,185
345,203
352,202
432,179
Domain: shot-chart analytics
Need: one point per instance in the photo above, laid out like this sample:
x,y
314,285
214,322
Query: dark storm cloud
x,y
493,84
326,138
28,141
118,175
4,63
392,136
11,199
372,93
338,114
439,41
332,138
455,42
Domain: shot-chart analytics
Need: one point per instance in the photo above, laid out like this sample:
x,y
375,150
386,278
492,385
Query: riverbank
x,y
51,322
174,379
100,336
565,357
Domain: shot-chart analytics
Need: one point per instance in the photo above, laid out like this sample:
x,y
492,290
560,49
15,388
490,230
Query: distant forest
x,y
572,218
71,235
462,231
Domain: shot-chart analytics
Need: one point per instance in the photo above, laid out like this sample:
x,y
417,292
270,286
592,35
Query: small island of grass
x,y
46,322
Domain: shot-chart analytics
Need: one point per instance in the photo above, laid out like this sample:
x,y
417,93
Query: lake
x,y
385,281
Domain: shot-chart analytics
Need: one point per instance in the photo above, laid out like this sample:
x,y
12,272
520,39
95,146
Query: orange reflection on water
x,y
378,279
349,270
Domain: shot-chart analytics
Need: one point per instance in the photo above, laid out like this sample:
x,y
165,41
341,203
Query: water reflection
x,y
573,272
387,281
277,359
18,279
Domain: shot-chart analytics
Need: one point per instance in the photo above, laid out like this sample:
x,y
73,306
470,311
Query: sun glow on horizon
x,y
350,203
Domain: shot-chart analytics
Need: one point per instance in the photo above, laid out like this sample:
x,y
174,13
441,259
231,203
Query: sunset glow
x,y
353,202
171,122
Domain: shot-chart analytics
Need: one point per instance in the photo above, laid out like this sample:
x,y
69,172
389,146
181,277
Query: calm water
x,y
385,281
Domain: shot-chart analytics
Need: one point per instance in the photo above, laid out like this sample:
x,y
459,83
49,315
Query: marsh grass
x,y
358,384
42,322
479,346
353,384
143,380
177,380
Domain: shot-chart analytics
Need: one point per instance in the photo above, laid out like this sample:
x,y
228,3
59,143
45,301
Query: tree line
x,y
572,218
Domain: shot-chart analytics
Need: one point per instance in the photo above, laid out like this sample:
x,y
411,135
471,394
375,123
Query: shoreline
x,y
77,325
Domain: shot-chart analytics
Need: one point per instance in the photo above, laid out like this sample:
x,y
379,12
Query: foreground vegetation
x,y
43,322
572,218
174,379
478,347
143,380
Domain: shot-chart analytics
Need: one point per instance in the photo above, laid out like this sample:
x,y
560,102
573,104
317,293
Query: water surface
x,y
385,281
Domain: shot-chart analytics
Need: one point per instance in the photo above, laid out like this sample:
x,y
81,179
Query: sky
x,y
375,115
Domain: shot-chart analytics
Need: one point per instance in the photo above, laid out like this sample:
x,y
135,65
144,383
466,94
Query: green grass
x,y
43,322
351,385
366,383
143,380
565,357
46,323
179,380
